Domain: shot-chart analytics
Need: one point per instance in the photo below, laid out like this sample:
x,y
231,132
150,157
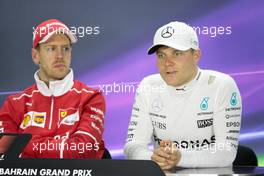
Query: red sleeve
x,y
7,122
85,142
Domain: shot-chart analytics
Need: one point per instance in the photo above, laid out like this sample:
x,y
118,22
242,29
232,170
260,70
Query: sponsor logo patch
x,y
157,105
33,118
190,143
63,114
26,120
204,123
233,99
159,125
68,116
204,103
39,119
157,115
232,124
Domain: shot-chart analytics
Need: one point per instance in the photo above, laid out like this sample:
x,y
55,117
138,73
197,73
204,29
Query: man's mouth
x,y
59,65
171,72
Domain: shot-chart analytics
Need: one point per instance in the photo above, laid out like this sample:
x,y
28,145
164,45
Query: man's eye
x,y
178,53
50,49
161,56
66,48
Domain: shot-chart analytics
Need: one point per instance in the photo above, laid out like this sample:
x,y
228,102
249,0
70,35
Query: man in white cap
x,y
64,116
192,115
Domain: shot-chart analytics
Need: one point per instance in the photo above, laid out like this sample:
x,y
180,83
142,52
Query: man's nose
x,y
169,61
59,53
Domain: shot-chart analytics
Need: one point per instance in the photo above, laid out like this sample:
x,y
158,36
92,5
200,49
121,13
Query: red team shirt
x,y
65,119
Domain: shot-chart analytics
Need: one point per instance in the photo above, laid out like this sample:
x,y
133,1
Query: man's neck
x,y
192,77
43,78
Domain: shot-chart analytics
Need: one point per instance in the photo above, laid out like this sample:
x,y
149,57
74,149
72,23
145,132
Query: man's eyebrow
x,y
56,45
176,50
159,51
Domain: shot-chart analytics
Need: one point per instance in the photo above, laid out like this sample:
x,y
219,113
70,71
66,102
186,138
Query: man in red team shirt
x,y
64,116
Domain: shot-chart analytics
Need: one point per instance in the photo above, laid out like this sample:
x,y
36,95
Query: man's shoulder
x,y
27,92
154,79
80,87
212,76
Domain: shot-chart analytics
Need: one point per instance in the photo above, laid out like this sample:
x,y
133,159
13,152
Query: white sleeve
x,y
226,127
140,128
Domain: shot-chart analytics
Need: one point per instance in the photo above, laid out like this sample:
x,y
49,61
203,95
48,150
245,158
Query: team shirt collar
x,y
188,86
56,88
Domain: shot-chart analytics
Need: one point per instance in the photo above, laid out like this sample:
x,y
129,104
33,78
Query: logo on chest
x,y
157,105
206,110
233,99
68,116
204,123
204,103
33,118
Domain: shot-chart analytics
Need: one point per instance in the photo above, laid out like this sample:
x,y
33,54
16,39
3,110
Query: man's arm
x,y
85,142
140,129
166,156
8,122
226,126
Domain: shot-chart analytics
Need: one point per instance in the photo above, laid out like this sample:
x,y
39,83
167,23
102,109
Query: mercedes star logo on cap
x,y
167,32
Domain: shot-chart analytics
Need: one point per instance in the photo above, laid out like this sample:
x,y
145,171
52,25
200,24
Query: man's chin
x,y
170,81
59,76
172,84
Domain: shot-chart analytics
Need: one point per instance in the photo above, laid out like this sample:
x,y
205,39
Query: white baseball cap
x,y
177,35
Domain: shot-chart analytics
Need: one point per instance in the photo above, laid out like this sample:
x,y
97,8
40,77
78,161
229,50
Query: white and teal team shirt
x,y
202,118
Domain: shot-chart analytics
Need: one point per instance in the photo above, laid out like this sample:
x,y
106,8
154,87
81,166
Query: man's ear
x,y
35,56
197,55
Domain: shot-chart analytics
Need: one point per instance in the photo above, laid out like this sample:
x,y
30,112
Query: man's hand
x,y
167,155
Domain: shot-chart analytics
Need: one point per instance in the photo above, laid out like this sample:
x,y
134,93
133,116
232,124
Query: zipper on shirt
x,y
51,111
